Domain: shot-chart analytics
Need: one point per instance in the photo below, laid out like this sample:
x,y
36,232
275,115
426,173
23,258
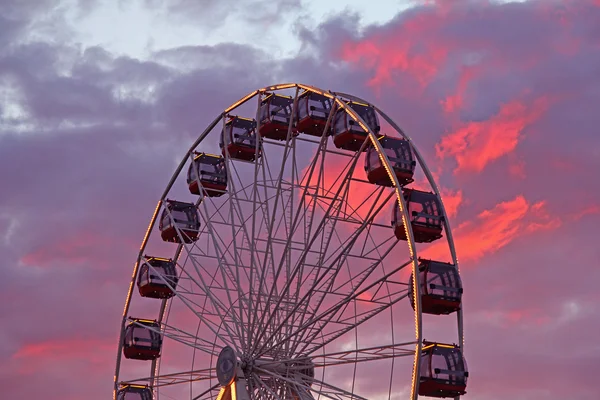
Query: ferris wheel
x,y
296,253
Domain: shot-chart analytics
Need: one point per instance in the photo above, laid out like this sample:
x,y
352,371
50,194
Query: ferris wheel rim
x,y
397,188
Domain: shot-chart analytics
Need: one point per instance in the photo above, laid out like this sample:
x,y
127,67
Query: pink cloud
x,y
34,358
452,201
475,144
402,50
457,101
495,228
589,210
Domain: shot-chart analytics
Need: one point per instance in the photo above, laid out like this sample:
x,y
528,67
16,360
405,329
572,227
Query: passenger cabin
x,y
155,277
401,159
441,288
239,139
275,116
179,222
313,111
425,216
134,392
207,175
142,340
443,371
347,133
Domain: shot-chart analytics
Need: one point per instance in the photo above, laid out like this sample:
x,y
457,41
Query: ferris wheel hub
x,y
227,365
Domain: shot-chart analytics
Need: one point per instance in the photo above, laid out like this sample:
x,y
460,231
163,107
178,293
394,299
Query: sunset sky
x,y
99,100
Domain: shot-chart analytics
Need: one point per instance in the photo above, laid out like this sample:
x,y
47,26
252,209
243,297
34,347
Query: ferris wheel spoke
x,y
325,389
236,212
345,325
226,271
270,222
236,208
176,378
326,286
308,218
258,162
182,337
299,264
368,354
303,394
232,271
217,306
200,311
242,300
288,245
207,395
363,355
329,274
254,279
296,182
356,281
264,388
294,217
312,328
337,319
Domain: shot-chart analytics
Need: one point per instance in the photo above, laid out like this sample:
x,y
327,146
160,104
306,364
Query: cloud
x,y
389,53
214,14
495,228
590,210
475,144
452,201
63,349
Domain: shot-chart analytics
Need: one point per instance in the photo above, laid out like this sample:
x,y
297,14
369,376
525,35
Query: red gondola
x,y
239,139
134,392
401,158
347,133
441,288
313,111
179,222
207,174
142,340
155,276
275,116
425,216
443,371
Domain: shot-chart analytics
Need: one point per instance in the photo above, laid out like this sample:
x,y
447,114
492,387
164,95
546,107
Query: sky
x,y
100,99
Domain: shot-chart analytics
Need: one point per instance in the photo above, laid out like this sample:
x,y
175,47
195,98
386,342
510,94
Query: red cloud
x,y
511,318
475,144
452,200
590,210
33,358
494,229
360,196
404,50
455,102
71,249
64,348
517,168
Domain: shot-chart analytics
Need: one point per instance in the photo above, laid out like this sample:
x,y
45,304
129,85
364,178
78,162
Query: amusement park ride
x,y
286,279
